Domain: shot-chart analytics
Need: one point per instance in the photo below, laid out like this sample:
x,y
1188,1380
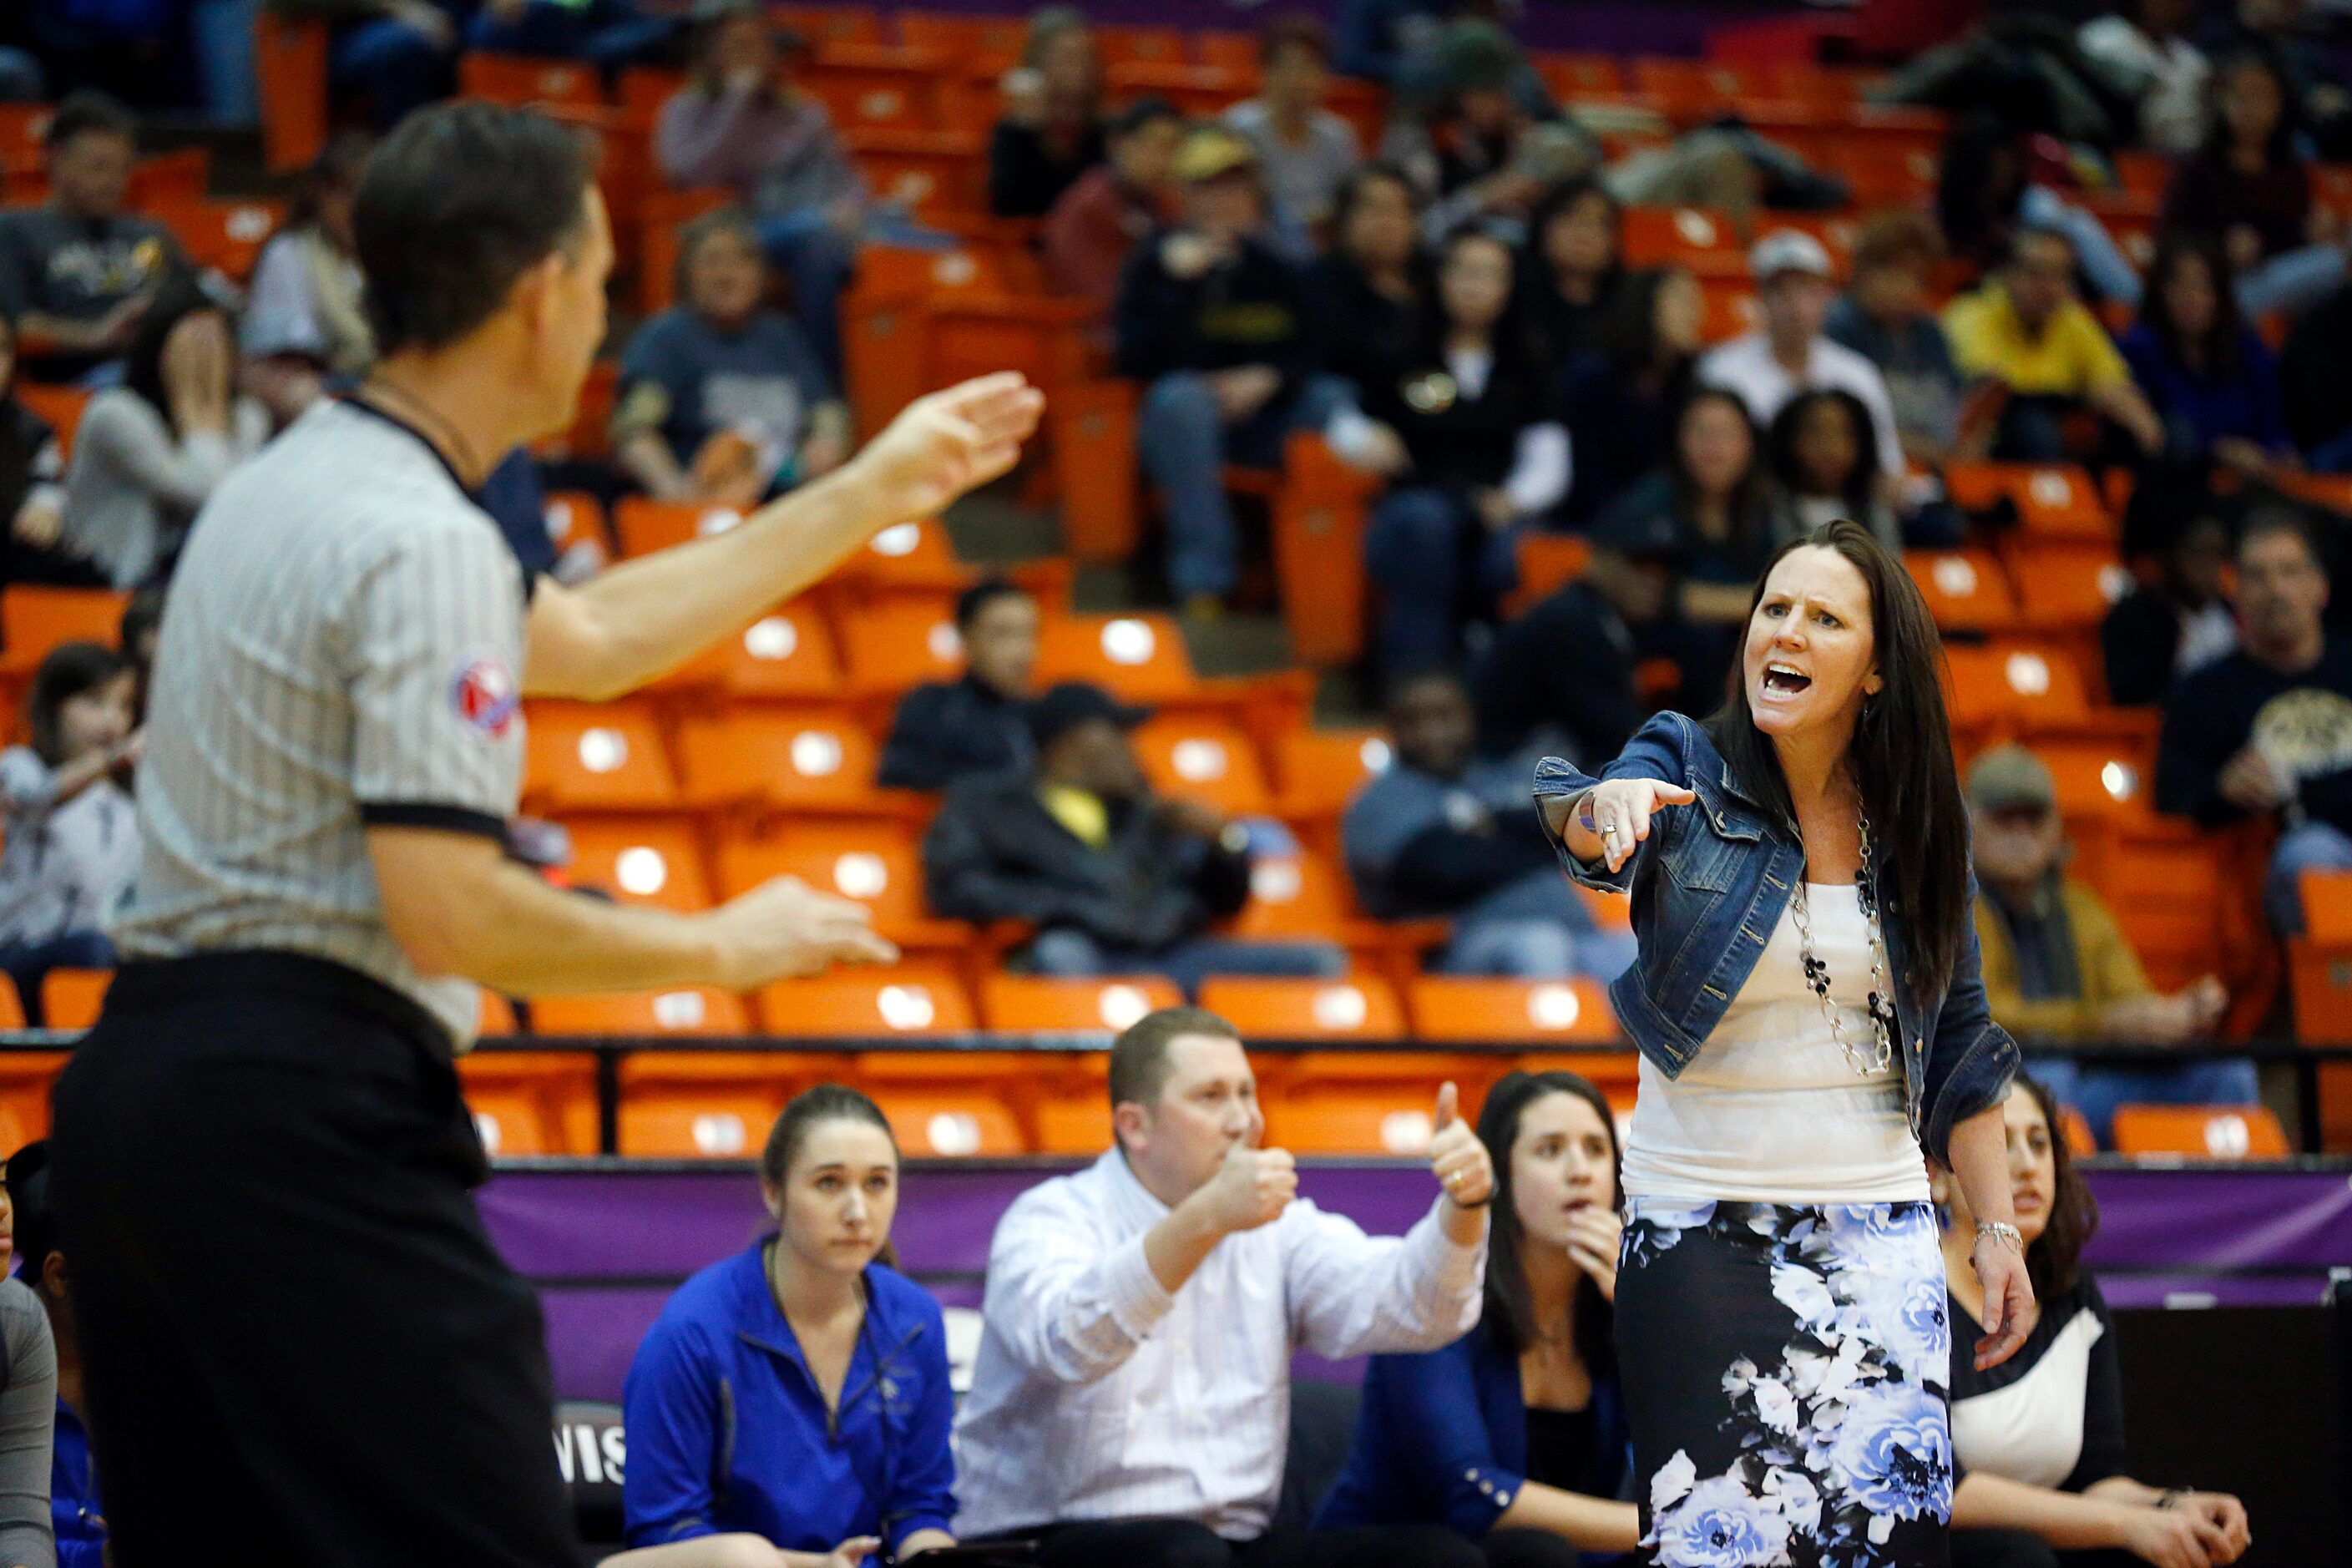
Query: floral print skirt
x,y
1785,1368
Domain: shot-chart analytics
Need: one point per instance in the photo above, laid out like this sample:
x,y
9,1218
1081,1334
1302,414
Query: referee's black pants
x,y
300,1346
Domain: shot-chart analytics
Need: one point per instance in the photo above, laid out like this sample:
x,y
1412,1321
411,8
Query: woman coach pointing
x,y
335,747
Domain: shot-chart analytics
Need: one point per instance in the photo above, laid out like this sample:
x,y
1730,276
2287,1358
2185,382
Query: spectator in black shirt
x,y
2040,1438
1579,671
1441,833
1116,880
1213,321
1574,270
2268,729
77,273
1052,131
1620,399
952,729
1368,294
2178,623
1469,433
2315,395
1713,489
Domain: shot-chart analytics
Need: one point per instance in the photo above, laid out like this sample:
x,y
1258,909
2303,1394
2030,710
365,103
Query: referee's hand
x,y
943,445
787,928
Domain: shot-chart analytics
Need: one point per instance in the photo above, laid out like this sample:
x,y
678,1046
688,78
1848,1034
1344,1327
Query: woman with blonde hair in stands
x,y
1812,1030
796,1394
2041,1437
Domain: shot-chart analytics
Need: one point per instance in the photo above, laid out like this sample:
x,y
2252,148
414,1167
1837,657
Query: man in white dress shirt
x,y
1792,352
1130,1403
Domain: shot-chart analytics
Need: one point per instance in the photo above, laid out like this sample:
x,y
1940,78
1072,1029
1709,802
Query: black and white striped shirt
x,y
343,646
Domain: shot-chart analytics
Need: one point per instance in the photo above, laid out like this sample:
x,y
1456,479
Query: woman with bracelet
x,y
1810,1020
2041,1437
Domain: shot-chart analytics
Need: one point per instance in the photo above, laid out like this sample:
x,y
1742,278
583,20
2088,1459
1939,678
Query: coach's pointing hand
x,y
945,444
786,928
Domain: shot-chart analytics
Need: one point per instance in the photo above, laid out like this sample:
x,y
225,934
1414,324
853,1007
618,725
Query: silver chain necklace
x,y
1817,973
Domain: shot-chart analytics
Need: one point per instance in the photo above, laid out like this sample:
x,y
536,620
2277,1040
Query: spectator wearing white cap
x,y
1790,352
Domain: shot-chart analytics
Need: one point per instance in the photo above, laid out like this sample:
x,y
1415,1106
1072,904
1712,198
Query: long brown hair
x,y
1510,1316
2054,1259
1902,757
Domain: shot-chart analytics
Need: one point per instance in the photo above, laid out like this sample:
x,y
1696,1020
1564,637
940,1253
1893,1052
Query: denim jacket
x,y
1709,885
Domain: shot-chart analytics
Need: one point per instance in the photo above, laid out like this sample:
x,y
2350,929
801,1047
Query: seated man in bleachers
x,y
947,730
2027,331
1307,151
1131,1400
2057,967
78,272
2266,731
722,401
1114,206
1442,834
1213,320
1886,317
1117,879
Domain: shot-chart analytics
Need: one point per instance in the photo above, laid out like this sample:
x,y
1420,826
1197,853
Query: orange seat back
x,y
787,655
2052,500
1501,1011
906,557
1368,1102
520,80
602,756
2075,1128
656,861
72,997
681,1010
1689,236
1293,897
876,863
531,1102
951,1103
2027,687
859,1002
1321,770
712,1104
227,235
2199,1131
900,642
1138,657
60,408
797,759
1358,1007
1039,1003
1966,590
2067,586
1201,759
645,525
33,620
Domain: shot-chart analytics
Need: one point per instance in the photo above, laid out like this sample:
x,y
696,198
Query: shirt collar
x,y
1130,1200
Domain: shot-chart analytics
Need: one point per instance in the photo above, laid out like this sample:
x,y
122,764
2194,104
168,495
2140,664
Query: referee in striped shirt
x,y
301,1347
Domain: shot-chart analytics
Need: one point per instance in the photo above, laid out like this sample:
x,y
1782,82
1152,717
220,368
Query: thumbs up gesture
x,y
1456,1157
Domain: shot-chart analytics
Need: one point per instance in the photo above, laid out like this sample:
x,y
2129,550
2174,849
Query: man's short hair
x,y
1293,31
982,594
2266,521
1139,1058
1897,237
1149,110
457,204
84,112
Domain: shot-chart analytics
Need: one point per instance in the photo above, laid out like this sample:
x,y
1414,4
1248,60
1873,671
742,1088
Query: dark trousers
x,y
1183,1544
2016,1549
290,1314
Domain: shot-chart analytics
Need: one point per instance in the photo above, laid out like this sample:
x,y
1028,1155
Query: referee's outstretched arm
x,y
643,619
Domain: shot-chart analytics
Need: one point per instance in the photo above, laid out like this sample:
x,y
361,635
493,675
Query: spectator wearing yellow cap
x,y
1213,320
2057,966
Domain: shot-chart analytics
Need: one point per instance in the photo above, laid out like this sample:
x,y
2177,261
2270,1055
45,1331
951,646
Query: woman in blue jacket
x,y
1811,1021
798,1391
1515,1433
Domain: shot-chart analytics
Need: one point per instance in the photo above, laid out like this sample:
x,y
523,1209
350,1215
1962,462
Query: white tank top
x,y
1769,1111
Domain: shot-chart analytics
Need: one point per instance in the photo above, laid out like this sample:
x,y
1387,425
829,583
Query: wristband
x,y
1584,817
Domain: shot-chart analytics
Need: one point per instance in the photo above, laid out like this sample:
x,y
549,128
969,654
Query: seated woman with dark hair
x,y
1515,1433
798,1392
1575,268
1370,293
1822,453
1622,398
2205,371
2040,1437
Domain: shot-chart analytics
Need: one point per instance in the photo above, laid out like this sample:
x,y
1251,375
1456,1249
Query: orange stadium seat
x,y
603,756
574,517
900,642
1687,90
2075,1128
1319,771
25,1080
830,25
1966,590
1575,76
1041,1004
60,407
785,656
525,80
1070,1102
291,54
2053,500
184,174
2014,684
1548,563
2101,777
1359,1007
1368,1102
531,1102
1293,897
876,863
1319,550
906,557
1706,242
652,860
978,46
1137,657
2068,587
785,760
1503,1011
2162,879
951,1103
645,525
2200,1133
870,1003
712,1104
71,997
870,87
227,235
1149,46
1235,52
932,172
684,1010
1187,757
1201,91
33,620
